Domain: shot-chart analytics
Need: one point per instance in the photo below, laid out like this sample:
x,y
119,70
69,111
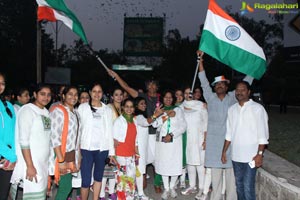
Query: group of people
x,y
81,142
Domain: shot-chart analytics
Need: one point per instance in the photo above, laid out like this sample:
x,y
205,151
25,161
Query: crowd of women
x,y
82,143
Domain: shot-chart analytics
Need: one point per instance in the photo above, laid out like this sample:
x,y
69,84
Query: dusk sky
x,y
103,19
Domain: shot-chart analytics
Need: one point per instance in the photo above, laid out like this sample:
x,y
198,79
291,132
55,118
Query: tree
x,y
18,40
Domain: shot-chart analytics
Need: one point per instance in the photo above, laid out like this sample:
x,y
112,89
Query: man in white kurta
x,y
247,134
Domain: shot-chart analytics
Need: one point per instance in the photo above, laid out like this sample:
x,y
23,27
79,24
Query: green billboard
x,y
143,36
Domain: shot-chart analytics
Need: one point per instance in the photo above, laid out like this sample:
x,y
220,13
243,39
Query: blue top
x,y
7,133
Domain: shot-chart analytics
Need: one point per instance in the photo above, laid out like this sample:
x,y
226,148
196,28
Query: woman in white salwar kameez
x,y
168,154
195,114
143,123
33,146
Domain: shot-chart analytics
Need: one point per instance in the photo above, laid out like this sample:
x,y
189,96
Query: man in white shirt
x,y
247,133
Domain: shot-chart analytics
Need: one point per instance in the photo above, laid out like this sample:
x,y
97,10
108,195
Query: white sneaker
x,y
176,184
189,191
182,185
143,197
165,194
201,196
173,193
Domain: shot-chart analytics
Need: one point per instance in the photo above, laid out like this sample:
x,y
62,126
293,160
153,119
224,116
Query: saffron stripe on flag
x,y
215,8
46,13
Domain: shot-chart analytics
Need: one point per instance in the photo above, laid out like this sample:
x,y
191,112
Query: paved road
x,y
149,191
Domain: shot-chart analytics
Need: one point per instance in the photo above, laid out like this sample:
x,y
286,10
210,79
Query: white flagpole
x,y
195,76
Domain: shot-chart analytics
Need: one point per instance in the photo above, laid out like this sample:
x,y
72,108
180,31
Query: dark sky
x,y
103,19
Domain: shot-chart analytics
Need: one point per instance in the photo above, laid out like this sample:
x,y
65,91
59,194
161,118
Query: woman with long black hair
x,y
96,140
7,141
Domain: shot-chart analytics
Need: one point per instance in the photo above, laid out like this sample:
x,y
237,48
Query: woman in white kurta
x,y
142,135
195,114
33,146
168,154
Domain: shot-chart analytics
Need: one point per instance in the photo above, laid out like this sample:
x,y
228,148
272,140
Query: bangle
x,y
153,117
61,161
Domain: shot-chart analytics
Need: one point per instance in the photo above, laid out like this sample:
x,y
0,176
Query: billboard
x,y
143,36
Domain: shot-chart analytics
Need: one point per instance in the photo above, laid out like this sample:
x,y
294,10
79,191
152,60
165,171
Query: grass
x,y
285,134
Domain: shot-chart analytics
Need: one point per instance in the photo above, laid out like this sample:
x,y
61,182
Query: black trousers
x,y
4,183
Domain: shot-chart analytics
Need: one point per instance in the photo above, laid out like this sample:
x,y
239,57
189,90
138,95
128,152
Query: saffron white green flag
x,y
53,10
225,40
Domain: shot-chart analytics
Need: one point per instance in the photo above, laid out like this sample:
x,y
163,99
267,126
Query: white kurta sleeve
x,y
111,148
142,121
57,124
25,122
262,126
178,124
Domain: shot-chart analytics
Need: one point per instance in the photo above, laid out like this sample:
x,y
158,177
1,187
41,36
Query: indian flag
x,y
53,10
225,40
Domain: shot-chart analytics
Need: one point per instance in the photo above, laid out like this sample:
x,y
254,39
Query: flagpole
x,y
38,52
99,59
195,76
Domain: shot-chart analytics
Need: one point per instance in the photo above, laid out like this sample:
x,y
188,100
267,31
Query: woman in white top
x,y
22,98
109,174
127,154
143,124
33,146
76,179
96,141
168,154
195,114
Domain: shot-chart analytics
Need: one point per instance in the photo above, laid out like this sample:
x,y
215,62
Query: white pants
x,y
207,181
217,182
169,184
139,183
192,171
111,186
151,149
183,175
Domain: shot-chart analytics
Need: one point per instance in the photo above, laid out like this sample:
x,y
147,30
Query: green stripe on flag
x,y
59,5
236,58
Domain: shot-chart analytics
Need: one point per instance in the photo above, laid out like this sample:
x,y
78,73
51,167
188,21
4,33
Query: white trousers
x,y
169,184
207,181
193,170
111,186
139,183
217,183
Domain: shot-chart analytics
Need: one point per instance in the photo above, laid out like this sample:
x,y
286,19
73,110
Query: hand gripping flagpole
x,y
195,76
99,59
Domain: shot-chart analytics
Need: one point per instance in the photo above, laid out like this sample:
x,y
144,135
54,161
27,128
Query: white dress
x,y
195,115
33,131
143,137
168,156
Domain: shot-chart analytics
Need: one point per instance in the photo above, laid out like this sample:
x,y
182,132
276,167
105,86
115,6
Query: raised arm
x,y
207,91
132,92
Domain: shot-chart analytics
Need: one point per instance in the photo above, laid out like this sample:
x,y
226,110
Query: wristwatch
x,y
260,153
